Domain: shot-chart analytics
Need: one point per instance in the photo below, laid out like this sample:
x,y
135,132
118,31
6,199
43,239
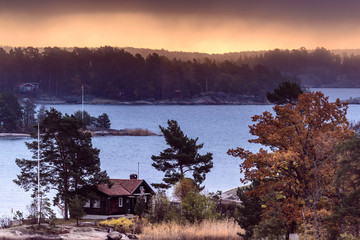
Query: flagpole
x,y
82,102
39,174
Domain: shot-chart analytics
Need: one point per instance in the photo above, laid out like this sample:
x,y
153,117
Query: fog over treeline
x,y
132,74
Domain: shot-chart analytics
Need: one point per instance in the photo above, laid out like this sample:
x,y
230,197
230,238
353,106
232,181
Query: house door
x,y
114,205
130,204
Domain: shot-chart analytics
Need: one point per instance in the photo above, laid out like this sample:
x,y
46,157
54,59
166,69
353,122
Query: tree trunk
x,y
316,199
287,236
66,215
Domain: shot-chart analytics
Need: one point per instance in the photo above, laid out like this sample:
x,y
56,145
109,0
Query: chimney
x,y
133,176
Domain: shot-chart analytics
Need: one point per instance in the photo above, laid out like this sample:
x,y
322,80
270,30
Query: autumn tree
x,y
297,164
183,187
69,162
181,158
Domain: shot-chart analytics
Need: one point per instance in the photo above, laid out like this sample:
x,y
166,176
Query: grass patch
x,y
207,230
139,132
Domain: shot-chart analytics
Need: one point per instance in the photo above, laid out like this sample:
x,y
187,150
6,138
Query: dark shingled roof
x,y
121,187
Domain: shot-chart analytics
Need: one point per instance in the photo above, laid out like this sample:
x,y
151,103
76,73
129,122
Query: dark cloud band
x,y
305,10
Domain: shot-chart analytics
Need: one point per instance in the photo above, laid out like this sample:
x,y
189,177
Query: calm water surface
x,y
218,127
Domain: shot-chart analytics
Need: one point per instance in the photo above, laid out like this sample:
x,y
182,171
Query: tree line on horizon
x,y
109,72
114,73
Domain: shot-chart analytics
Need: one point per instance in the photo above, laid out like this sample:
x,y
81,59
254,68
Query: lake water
x,y
218,127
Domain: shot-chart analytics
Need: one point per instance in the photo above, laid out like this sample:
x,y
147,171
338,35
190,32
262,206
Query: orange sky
x,y
181,26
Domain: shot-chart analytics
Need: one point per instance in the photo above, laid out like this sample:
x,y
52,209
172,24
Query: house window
x,y
96,203
87,203
121,202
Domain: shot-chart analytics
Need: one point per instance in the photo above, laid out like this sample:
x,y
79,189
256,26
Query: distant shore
x,y
209,99
94,133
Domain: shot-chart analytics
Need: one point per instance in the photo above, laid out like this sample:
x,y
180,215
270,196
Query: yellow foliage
x,y
121,224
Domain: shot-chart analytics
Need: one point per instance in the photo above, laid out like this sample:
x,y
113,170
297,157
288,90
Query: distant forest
x,y
114,73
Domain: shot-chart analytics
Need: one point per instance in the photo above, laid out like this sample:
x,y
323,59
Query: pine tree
x,y
76,208
287,92
69,163
181,157
103,121
347,182
248,214
10,113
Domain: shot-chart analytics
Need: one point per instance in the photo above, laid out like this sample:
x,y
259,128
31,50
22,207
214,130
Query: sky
x,y
211,26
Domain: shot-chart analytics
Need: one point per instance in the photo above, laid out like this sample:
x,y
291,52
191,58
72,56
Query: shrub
x,y
162,210
138,132
347,236
196,207
5,222
18,216
123,225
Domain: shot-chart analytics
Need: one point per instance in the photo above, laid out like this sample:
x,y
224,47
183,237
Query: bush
x,y
140,207
18,216
162,210
5,222
196,207
346,236
123,225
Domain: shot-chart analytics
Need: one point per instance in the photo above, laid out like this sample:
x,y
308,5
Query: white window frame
x,y
96,203
121,202
87,203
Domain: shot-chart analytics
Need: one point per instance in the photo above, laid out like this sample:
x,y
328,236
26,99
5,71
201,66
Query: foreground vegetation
x,y
307,179
209,230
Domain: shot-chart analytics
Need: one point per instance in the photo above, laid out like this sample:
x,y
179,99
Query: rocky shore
x,y
353,100
95,133
61,232
123,132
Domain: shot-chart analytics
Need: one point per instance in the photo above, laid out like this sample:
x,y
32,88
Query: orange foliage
x,y
300,165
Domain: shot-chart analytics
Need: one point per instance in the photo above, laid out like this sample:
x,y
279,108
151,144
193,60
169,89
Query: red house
x,y
28,87
120,198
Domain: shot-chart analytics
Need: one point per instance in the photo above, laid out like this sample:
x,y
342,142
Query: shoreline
x,y
212,102
94,133
210,98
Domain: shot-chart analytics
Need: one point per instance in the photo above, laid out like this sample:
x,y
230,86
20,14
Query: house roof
x,y
33,84
121,187
230,196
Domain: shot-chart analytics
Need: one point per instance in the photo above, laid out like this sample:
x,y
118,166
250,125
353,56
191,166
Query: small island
x,y
18,119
